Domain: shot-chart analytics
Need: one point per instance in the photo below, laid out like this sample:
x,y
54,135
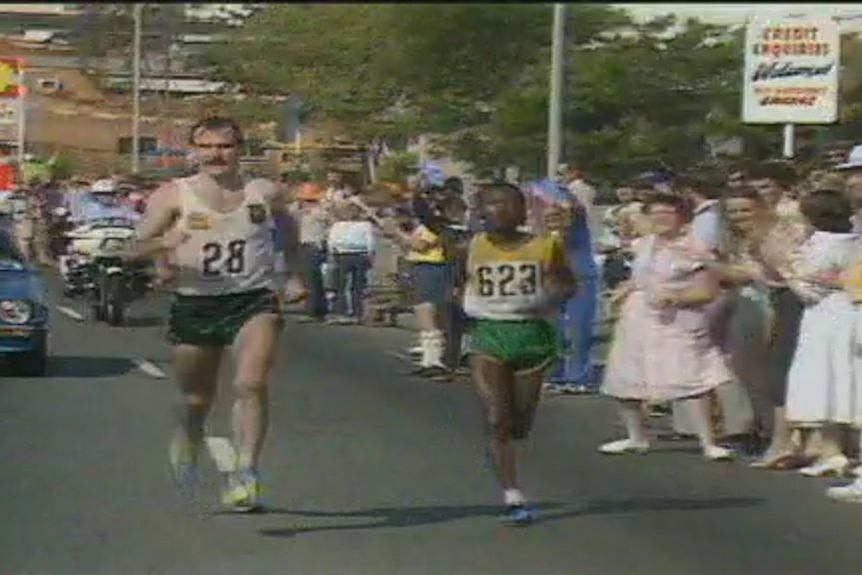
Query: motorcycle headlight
x,y
15,311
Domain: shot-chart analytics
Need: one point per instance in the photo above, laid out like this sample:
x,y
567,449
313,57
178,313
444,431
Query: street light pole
x,y
555,109
136,89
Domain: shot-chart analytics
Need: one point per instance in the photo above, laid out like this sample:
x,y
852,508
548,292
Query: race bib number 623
x,y
508,279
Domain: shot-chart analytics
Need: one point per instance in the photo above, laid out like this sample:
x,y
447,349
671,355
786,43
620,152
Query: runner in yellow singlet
x,y
515,285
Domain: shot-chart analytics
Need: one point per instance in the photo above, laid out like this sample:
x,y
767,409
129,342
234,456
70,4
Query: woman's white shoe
x,y
717,453
622,446
833,466
848,493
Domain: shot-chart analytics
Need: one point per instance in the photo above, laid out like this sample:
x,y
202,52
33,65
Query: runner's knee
x,y
500,426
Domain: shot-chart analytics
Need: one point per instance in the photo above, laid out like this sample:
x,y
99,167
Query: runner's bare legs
x,y
255,351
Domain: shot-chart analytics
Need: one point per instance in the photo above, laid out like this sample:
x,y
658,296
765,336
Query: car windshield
x,y
10,256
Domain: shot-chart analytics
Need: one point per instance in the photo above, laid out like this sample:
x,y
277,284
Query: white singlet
x,y
226,253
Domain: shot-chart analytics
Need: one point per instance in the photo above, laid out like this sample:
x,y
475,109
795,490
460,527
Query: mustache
x,y
216,162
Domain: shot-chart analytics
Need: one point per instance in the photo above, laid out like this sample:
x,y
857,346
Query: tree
x,y
645,99
321,52
103,28
637,95
387,70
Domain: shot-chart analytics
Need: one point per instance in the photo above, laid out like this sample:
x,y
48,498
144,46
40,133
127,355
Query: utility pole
x,y
136,90
555,109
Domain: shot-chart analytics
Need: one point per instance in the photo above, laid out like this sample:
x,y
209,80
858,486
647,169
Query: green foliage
x,y
252,111
398,166
103,28
476,76
63,167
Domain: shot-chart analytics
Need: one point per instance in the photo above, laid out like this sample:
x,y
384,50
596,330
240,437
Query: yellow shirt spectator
x,y
432,255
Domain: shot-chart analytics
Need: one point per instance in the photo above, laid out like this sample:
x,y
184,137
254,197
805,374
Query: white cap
x,y
854,160
103,186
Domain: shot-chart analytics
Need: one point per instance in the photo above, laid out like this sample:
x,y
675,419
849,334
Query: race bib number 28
x,y
223,258
508,279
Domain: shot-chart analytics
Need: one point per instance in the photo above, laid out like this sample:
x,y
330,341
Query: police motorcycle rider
x,y
102,220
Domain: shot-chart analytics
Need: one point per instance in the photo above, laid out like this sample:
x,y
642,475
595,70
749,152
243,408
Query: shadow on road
x,y
386,517
420,516
79,366
638,505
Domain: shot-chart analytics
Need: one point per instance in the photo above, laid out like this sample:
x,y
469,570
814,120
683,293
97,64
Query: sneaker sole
x,y
246,509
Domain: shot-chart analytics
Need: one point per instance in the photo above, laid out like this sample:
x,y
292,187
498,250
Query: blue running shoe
x,y
518,516
184,456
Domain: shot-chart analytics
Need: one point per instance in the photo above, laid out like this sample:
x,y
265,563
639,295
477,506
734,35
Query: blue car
x,y
23,313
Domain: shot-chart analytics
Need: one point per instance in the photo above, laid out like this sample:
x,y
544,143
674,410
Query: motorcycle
x,y
95,269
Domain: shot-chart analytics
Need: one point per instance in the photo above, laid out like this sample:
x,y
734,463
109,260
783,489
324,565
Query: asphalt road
x,y
370,473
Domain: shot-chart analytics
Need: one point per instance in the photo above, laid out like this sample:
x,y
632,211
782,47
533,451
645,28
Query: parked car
x,y
23,311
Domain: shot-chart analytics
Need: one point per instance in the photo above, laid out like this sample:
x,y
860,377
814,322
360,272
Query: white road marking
x,y
69,312
222,452
150,368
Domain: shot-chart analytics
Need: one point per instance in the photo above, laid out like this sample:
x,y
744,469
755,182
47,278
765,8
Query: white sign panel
x,y
791,71
9,108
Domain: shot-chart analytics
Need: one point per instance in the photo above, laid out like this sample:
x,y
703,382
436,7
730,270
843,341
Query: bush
x,y
63,167
397,167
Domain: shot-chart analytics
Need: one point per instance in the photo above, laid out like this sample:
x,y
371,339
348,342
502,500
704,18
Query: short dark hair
x,y
507,187
781,173
827,210
454,183
707,181
677,202
216,124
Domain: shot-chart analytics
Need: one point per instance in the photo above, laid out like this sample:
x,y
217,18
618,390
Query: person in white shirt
x,y
337,192
351,248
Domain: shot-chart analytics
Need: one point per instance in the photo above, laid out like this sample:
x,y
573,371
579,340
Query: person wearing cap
x,y
852,169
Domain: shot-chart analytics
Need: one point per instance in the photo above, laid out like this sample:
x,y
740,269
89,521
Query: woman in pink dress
x,y
662,349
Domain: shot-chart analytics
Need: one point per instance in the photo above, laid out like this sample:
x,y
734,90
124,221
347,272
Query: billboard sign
x,y
791,71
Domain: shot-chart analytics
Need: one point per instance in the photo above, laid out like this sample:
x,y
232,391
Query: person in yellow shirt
x,y
516,283
427,258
